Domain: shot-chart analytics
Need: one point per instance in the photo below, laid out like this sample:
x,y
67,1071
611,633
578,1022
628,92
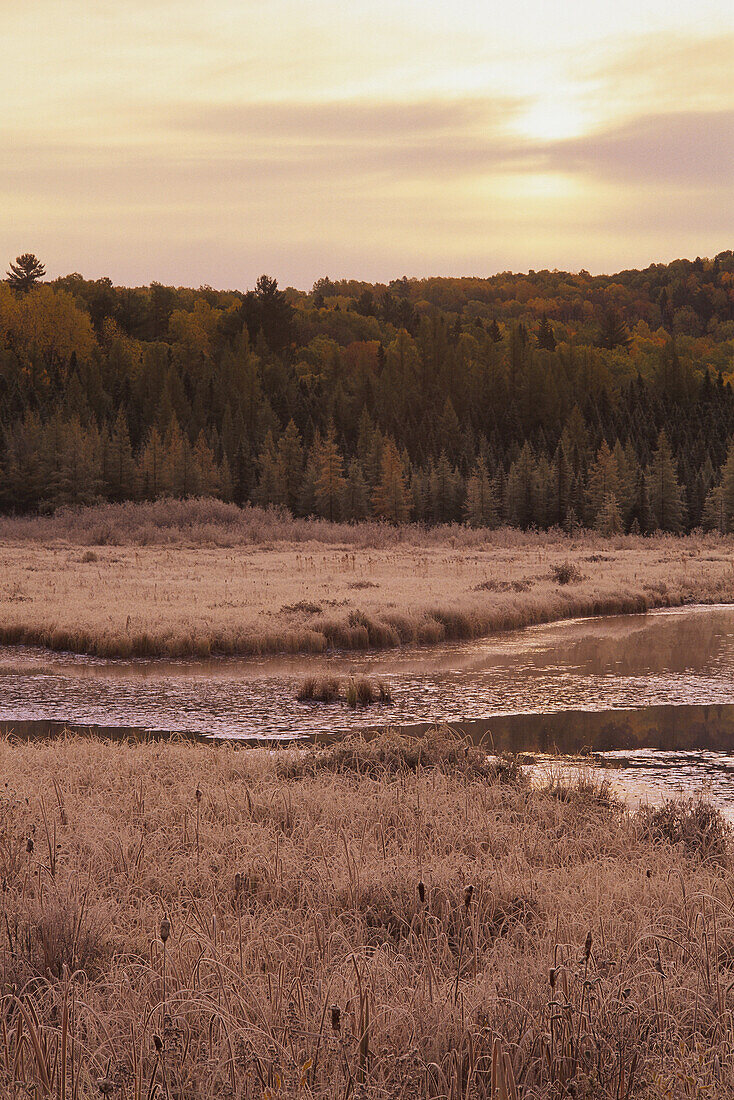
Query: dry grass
x,y
387,920
284,585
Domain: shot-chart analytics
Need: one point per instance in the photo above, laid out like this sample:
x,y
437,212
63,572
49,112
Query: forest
x,y
538,400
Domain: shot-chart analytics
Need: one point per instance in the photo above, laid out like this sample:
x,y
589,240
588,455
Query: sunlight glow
x,y
166,141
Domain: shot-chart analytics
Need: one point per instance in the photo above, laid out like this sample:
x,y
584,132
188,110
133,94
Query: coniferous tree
x,y
118,469
664,491
609,519
290,462
355,499
480,508
329,483
545,339
390,500
25,272
520,511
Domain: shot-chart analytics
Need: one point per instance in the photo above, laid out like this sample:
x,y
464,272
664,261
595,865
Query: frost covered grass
x,y
391,918
201,577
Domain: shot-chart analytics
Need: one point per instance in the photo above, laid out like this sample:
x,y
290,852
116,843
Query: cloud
x,y
689,149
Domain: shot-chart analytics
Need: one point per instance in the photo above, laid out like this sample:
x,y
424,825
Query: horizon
x,y
364,140
50,278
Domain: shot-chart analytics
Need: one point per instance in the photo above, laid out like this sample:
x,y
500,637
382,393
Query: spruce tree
x,y
664,491
390,500
480,509
329,484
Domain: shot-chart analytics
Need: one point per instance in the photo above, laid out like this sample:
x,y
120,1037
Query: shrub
x,y
699,827
566,572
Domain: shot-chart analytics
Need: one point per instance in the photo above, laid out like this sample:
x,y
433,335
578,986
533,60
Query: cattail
x,y
587,946
336,1018
553,978
158,1043
468,891
29,845
237,884
165,929
648,872
198,794
422,891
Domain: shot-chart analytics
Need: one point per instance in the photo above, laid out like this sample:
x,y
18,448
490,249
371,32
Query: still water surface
x,y
653,693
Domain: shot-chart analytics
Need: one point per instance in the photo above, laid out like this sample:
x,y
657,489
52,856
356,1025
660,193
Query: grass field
x,y
384,919
199,577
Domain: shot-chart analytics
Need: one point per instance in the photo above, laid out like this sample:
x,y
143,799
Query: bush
x,y
566,572
699,827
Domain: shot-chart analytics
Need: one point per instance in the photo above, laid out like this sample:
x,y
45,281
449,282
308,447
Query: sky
x,y
205,143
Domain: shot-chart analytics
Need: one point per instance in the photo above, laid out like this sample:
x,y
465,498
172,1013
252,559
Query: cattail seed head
x,y
198,794
165,929
29,845
468,891
553,977
237,884
587,946
158,1043
422,891
336,1018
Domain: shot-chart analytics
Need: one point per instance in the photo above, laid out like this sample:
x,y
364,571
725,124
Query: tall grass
x,y
380,918
194,578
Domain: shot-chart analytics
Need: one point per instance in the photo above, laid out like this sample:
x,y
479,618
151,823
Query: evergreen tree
x,y
270,487
603,481
118,469
25,272
150,466
609,519
290,462
329,484
390,500
545,339
520,489
664,491
480,508
355,500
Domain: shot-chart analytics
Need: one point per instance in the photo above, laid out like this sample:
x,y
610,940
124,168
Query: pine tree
x,y
290,461
355,501
444,491
603,481
270,489
150,466
542,492
520,489
208,483
608,519
545,339
118,463
390,500
480,508
329,484
664,491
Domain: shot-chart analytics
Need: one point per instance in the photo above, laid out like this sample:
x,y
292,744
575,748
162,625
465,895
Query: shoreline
x,y
434,628
136,589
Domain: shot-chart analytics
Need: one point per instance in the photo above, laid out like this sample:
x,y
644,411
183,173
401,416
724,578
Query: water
x,y
654,694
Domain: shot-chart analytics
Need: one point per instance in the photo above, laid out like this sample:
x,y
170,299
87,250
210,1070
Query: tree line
x,y
547,399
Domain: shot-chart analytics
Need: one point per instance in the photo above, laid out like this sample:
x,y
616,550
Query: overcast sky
x,y
196,143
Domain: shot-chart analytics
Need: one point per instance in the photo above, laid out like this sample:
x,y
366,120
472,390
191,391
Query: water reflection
x,y
660,681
